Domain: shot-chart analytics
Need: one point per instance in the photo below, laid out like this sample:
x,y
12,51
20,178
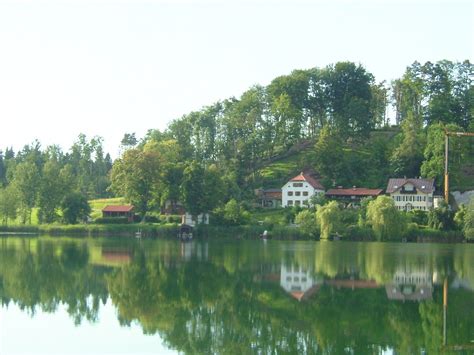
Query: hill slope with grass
x,y
364,164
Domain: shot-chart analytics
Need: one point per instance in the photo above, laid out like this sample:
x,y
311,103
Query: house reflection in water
x,y
298,282
406,284
112,257
190,250
410,285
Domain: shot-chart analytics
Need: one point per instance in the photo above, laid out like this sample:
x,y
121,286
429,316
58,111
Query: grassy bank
x,y
95,230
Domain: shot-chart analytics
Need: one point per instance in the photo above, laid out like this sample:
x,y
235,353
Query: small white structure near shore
x,y
187,219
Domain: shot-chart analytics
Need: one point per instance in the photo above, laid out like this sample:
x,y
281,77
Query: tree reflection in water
x,y
271,298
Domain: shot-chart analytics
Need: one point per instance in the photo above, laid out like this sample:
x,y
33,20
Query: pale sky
x,y
110,67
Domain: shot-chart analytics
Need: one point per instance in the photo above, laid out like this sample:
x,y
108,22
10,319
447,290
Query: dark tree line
x,y
48,178
339,111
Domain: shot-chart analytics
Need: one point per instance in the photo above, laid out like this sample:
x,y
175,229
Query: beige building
x,y
412,194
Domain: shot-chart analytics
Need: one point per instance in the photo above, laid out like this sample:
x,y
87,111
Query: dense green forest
x,y
331,121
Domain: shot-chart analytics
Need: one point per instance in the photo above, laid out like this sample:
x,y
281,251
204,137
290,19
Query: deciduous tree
x,y
8,204
137,176
385,219
75,207
329,219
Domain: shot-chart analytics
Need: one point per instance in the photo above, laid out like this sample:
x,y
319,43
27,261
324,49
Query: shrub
x,y
441,218
152,219
173,219
307,222
111,220
419,217
359,233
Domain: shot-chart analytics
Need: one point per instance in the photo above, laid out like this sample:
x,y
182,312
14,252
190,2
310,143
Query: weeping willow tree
x,y
329,218
385,219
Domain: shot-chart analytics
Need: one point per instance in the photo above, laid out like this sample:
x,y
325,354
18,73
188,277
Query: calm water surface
x,y
116,296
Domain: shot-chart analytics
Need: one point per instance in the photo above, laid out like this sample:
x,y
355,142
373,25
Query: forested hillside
x,y
331,121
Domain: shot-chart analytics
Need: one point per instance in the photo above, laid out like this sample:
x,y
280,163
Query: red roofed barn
x,y
118,211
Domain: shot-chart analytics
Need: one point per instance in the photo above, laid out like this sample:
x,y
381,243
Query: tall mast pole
x,y
446,176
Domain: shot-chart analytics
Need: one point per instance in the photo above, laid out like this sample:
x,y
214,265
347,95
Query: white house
x,y
299,190
298,282
411,194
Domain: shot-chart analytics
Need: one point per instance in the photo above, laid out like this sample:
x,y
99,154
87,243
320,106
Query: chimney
x,y
353,187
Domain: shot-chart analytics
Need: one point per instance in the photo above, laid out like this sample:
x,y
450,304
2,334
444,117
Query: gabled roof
x,y
301,296
309,179
423,185
117,208
355,191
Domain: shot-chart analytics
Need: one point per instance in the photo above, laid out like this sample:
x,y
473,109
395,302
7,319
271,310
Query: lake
x,y
133,296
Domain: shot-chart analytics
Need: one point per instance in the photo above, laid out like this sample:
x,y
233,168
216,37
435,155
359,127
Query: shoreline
x,y
245,232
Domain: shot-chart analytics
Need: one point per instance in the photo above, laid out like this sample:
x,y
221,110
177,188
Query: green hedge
x,y
357,233
111,220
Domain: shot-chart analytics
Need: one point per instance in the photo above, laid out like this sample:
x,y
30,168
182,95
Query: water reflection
x,y
226,297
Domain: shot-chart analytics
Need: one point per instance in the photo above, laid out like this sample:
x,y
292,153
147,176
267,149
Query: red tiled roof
x,y
297,294
309,179
423,185
123,257
355,191
118,208
300,295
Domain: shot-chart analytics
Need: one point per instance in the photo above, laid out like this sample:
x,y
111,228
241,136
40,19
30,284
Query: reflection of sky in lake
x,y
55,333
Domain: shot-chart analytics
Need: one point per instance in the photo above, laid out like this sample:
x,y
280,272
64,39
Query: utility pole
x,y
446,154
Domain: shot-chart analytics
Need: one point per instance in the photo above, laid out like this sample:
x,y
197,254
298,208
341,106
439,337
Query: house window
x,y
297,184
297,193
297,203
290,202
290,193
305,202
305,193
